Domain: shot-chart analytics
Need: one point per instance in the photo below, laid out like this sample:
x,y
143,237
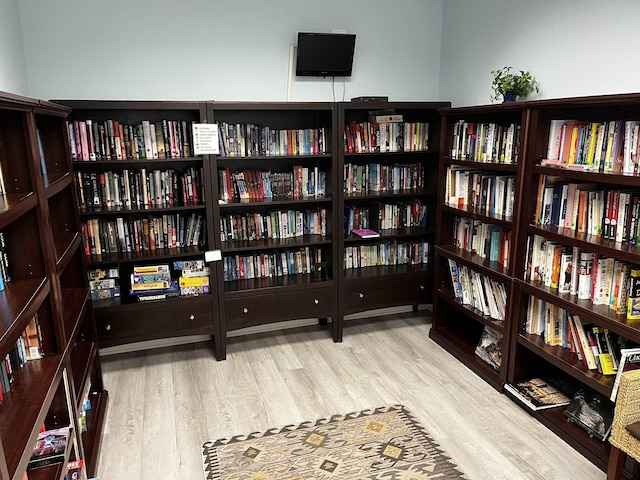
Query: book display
x,y
51,376
142,198
574,295
556,223
481,165
274,197
388,181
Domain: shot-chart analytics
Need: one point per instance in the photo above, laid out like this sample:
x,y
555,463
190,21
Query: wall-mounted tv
x,y
325,54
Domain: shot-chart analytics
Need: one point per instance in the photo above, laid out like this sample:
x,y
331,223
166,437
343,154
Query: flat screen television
x,y
325,54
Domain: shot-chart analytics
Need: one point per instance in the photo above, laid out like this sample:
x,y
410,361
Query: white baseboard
x,y
271,327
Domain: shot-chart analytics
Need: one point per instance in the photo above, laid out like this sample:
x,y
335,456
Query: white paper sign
x,y
205,139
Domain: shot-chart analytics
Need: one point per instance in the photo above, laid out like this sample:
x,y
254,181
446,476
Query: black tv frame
x,y
323,54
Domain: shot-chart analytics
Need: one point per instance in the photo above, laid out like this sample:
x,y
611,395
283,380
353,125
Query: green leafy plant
x,y
506,81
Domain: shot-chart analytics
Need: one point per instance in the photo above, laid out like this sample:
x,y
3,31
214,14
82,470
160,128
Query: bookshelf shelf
x,y
446,295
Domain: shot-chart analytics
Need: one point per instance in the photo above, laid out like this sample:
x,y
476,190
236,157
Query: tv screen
x,y
325,54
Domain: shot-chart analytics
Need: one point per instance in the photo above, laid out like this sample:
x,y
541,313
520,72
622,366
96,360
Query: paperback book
x,y
366,233
629,360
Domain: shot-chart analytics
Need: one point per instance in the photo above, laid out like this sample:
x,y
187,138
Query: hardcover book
x,y
538,394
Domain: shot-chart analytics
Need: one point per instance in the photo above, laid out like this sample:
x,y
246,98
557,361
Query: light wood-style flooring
x,y
165,403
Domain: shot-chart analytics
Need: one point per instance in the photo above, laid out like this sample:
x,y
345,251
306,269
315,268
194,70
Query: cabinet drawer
x,y
276,307
160,320
365,295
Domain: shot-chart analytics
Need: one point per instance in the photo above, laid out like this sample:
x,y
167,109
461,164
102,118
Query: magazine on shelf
x,y
489,347
538,394
592,412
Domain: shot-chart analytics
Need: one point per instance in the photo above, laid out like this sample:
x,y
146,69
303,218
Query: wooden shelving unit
x,y
48,279
375,283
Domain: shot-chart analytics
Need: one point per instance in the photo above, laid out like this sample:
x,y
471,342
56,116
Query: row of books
x,y
5,275
595,346
486,193
611,214
126,235
587,275
485,142
485,240
249,140
92,140
28,347
277,224
104,282
382,137
611,146
140,188
307,260
384,253
376,177
385,216
478,290
255,185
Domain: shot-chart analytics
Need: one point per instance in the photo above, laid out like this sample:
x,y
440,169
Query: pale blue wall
x,y
224,50
573,48
238,49
13,69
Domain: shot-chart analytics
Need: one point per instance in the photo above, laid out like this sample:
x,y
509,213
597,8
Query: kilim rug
x,y
385,443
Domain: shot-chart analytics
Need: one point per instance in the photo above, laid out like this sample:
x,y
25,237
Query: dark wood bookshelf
x,y
373,287
122,320
526,355
48,279
254,301
457,327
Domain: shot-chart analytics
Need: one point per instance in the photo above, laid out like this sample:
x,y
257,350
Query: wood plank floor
x,y
165,403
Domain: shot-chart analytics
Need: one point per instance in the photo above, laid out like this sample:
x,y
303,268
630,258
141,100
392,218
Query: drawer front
x,y
260,309
155,321
363,295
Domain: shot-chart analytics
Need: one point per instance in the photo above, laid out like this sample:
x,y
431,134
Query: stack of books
x,y
104,283
194,277
153,282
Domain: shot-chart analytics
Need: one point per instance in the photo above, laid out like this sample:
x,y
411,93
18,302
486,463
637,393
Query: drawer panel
x,y
160,320
260,309
365,295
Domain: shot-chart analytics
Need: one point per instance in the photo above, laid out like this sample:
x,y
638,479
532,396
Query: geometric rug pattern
x,y
385,443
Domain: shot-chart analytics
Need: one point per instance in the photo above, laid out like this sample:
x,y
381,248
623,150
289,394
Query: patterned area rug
x,y
385,443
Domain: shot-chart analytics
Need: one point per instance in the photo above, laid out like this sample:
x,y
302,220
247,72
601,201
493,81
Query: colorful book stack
x,y
194,277
104,283
153,282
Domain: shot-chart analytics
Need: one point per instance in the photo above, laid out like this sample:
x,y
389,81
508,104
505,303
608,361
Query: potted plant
x,y
509,85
